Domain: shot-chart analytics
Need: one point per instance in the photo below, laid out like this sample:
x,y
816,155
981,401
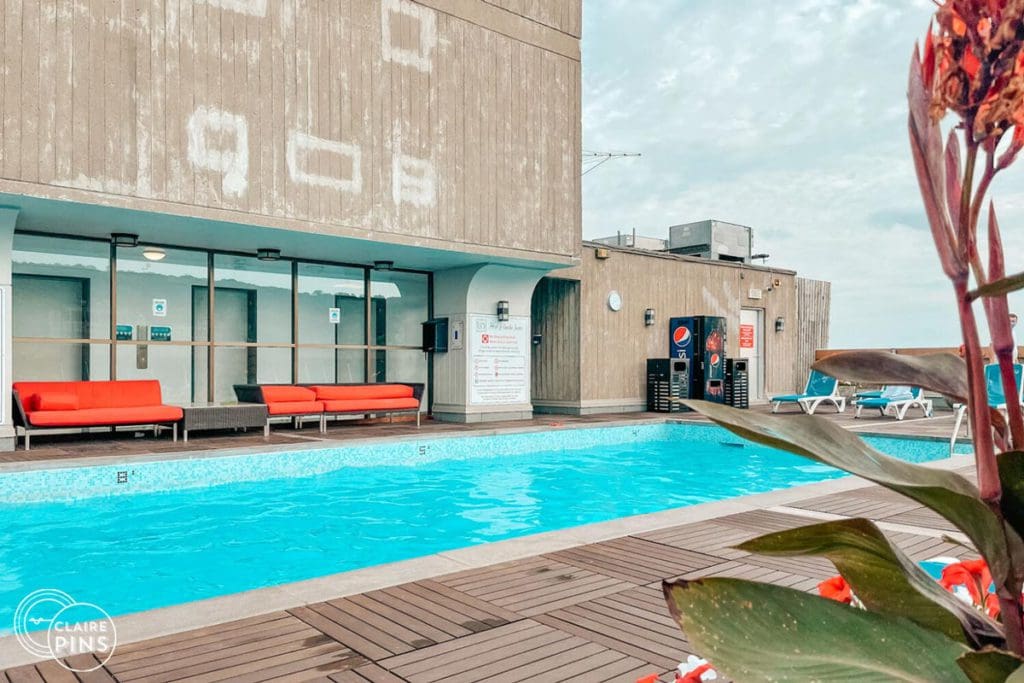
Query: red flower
x,y
836,589
973,575
694,675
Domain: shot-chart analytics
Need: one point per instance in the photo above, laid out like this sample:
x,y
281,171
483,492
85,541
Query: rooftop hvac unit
x,y
712,240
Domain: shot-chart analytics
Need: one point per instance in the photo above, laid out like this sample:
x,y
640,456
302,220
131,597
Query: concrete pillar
x,y
485,375
8,218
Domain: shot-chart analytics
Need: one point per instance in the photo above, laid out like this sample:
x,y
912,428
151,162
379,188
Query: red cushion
x,y
371,406
295,407
56,401
278,394
106,394
362,391
93,417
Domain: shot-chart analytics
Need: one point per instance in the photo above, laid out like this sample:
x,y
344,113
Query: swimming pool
x,y
145,535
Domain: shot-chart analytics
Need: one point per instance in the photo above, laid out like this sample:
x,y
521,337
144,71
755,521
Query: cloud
x,y
790,118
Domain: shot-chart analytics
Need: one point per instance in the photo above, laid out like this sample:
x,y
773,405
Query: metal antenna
x,y
592,160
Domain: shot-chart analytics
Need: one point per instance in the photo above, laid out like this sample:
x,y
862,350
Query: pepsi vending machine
x,y
701,340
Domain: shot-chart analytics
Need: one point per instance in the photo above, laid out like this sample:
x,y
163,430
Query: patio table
x,y
222,416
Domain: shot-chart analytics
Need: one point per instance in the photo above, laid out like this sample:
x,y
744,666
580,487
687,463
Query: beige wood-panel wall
x,y
456,120
814,300
556,360
614,345
564,16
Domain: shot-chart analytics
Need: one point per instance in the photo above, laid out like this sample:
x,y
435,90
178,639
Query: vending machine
x,y
701,341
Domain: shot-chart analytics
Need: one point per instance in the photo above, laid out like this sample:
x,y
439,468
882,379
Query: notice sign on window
x,y
746,336
499,357
334,316
160,308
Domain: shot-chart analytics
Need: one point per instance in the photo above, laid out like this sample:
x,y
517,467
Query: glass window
x,y
332,305
408,366
155,298
167,363
60,361
253,300
398,307
332,366
61,288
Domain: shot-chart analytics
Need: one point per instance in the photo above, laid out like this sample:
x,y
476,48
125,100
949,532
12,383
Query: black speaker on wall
x,y
435,335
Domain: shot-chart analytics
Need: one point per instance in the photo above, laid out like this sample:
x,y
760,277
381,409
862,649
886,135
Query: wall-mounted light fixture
x,y
503,310
153,253
268,254
649,317
780,324
383,265
124,239
601,253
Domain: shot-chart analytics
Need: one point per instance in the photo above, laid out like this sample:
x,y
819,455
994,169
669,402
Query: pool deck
x,y
582,604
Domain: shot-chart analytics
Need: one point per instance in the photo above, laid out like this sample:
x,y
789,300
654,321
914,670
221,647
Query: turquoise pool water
x,y
184,530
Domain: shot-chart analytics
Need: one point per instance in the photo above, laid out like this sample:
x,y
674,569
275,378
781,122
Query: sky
x,y
789,117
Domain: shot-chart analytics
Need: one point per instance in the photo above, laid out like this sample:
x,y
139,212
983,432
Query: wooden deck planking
x,y
634,623
708,538
543,584
636,560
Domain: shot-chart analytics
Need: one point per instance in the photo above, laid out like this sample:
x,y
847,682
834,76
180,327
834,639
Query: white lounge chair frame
x,y
899,407
809,404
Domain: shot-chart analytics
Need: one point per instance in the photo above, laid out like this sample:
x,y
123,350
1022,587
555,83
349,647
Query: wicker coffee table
x,y
222,416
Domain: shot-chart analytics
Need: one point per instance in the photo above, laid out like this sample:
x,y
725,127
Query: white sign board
x,y
334,315
160,308
499,360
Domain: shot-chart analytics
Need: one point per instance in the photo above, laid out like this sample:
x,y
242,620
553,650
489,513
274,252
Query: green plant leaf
x,y
1011,475
753,631
821,440
991,665
1001,287
884,579
941,372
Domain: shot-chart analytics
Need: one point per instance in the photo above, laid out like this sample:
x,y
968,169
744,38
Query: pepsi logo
x,y
682,336
715,359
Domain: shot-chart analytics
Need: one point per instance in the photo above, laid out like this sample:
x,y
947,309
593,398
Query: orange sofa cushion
x,y
55,401
363,391
295,407
371,405
106,394
283,394
93,417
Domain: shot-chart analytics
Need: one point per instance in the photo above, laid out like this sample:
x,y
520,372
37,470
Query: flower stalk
x,y
972,65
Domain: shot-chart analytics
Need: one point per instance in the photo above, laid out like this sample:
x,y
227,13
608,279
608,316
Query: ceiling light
x,y
124,239
268,254
154,254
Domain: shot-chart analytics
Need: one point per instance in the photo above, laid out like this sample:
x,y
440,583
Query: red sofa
x,y
68,405
283,401
298,401
347,399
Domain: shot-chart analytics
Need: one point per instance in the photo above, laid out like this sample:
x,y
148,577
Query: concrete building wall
x,y
446,123
614,345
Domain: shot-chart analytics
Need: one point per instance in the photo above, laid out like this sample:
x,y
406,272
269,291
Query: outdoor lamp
x,y
268,254
153,253
780,324
124,239
649,317
383,265
503,310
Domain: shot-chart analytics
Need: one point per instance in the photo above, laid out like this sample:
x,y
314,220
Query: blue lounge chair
x,y
996,398
820,388
895,399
